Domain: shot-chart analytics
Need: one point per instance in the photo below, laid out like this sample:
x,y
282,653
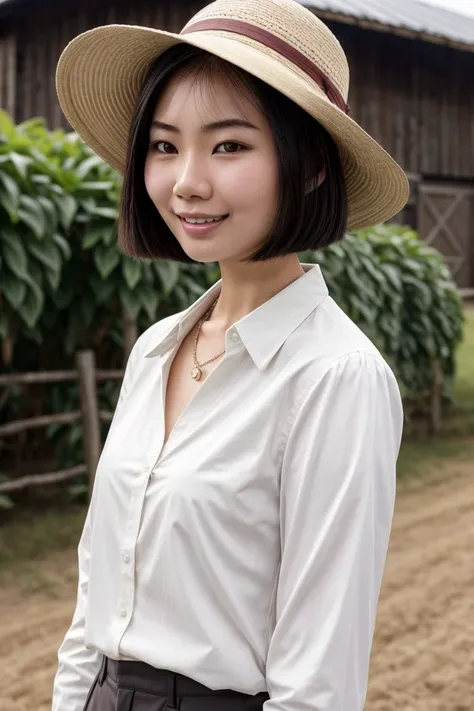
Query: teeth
x,y
201,221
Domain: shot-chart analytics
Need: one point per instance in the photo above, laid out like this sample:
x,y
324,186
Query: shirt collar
x,y
265,329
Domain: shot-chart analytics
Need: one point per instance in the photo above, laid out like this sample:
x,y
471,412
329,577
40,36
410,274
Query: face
x,y
212,157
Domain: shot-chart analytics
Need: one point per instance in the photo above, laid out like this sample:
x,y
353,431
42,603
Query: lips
x,y
202,220
196,226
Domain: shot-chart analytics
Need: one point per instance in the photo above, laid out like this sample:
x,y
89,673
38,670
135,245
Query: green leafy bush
x,y
401,293
64,285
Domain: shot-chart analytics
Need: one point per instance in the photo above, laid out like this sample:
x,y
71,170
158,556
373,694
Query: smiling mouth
x,y
202,220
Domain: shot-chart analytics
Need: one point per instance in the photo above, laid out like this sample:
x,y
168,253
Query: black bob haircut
x,y
308,217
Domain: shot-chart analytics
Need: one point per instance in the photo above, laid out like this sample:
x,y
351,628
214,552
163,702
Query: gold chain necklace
x,y
196,372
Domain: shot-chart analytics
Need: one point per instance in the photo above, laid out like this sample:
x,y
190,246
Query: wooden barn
x,y
412,72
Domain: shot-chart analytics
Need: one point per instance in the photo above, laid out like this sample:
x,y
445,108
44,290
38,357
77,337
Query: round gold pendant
x,y
196,373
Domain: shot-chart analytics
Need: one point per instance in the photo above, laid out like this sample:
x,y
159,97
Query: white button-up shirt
x,y
247,552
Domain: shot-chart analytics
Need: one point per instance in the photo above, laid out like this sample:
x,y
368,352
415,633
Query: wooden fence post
x,y
436,397
85,362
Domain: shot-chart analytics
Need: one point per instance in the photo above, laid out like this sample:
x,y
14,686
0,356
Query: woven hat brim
x,y
101,72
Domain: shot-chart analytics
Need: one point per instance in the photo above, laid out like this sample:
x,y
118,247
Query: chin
x,y
204,256
205,253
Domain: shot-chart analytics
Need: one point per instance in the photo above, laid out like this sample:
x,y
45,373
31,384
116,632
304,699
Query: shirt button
x,y
126,557
123,612
235,336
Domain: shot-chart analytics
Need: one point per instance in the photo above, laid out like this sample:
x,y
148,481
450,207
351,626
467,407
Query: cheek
x,y
157,182
254,185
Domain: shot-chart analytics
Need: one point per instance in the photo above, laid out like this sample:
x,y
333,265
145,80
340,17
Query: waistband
x,y
163,682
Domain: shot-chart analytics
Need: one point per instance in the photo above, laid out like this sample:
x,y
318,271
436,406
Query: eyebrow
x,y
226,123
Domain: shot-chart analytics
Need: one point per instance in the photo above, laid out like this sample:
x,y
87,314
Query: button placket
x,y
131,533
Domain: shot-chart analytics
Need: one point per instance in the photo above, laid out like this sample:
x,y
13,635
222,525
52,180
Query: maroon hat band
x,y
278,45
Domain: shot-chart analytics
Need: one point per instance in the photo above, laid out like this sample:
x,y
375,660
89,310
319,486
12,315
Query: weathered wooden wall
x,y
413,97
44,35
8,56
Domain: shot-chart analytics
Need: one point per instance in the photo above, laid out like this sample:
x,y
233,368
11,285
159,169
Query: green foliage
x,y
401,293
65,286
64,282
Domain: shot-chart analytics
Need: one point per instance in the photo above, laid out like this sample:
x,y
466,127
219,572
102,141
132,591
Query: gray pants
x,y
136,686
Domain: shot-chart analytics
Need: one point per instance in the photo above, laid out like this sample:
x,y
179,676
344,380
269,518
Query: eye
x,y
163,147
229,147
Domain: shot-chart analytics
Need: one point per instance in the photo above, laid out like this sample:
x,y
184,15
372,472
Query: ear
x,y
313,183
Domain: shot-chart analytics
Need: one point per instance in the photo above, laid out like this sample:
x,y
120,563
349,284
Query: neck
x,y
245,287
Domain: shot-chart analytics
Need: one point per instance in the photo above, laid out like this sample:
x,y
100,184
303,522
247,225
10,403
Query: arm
x,y
337,498
78,665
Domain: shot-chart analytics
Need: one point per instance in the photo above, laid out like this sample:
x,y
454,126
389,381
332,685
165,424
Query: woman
x,y
234,547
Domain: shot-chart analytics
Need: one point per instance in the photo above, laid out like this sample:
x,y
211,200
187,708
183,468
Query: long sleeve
x,y
77,664
338,485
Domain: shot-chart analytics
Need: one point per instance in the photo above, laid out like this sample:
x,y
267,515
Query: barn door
x,y
445,221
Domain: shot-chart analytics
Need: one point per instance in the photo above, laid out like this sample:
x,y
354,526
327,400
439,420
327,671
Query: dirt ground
x,y
423,654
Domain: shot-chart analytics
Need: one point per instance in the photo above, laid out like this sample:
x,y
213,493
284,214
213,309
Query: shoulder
x,y
360,371
338,355
355,397
329,337
337,334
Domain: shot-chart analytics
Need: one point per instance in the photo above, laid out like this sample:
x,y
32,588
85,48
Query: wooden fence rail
x,y
56,376
87,376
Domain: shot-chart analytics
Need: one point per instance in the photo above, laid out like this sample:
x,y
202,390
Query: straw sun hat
x,y
100,73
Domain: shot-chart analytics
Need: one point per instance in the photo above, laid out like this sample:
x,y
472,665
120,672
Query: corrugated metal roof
x,y
416,17
403,15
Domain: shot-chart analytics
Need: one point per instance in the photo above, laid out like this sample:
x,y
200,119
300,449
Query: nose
x,y
192,180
